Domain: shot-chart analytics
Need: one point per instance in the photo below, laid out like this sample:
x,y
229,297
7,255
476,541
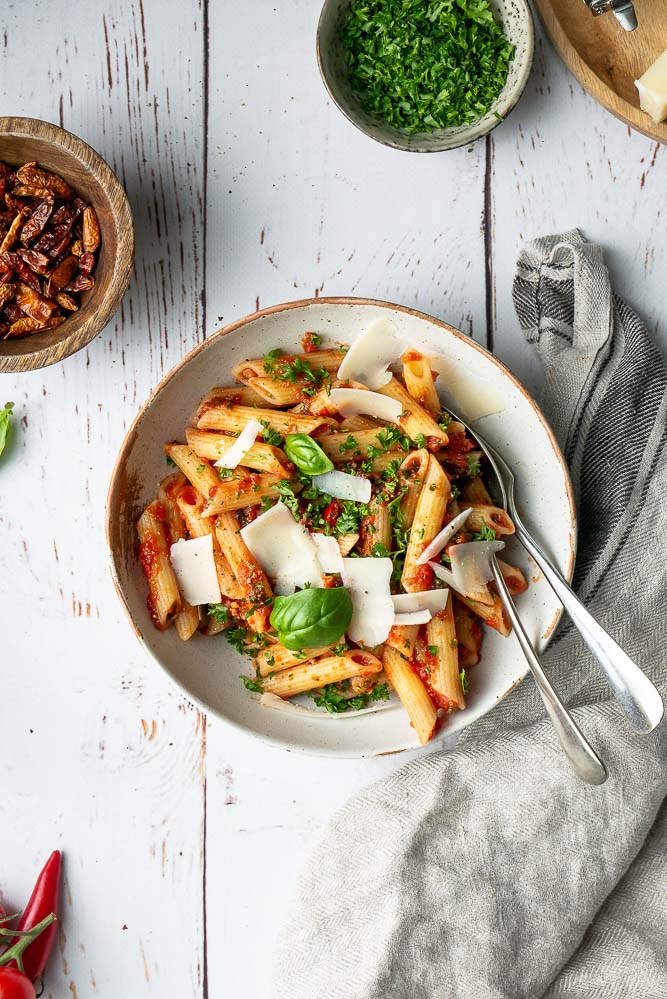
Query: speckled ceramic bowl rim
x,y
476,130
128,441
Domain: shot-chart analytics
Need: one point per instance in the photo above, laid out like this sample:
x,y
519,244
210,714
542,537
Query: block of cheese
x,y
652,87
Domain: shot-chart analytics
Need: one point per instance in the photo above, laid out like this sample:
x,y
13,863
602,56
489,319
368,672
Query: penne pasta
x,y
412,692
474,491
415,421
330,360
375,529
412,472
263,457
492,614
429,514
197,470
277,658
346,543
332,669
445,677
242,490
484,515
468,634
342,448
164,599
232,420
191,506
403,638
515,579
235,395
419,381
246,570
186,621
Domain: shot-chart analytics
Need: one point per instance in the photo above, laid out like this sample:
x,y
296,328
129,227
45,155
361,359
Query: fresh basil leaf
x,y
4,424
312,617
307,455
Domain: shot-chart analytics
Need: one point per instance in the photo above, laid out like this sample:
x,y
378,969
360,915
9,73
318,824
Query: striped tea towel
x,y
492,871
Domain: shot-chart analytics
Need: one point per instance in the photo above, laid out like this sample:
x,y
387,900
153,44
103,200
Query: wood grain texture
x,y
605,58
24,140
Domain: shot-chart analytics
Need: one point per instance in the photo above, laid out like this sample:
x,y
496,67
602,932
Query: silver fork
x,y
638,697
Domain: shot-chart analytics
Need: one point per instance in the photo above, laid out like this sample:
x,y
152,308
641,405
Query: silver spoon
x,y
583,758
638,697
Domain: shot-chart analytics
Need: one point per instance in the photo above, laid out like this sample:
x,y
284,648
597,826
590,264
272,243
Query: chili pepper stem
x,y
14,953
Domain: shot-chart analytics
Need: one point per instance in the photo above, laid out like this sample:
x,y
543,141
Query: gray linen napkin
x,y
491,871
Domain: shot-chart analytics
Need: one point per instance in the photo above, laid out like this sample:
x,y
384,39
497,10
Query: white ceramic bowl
x,y
517,22
207,669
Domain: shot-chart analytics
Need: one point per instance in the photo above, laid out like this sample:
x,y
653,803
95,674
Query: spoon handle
x,y
636,694
583,758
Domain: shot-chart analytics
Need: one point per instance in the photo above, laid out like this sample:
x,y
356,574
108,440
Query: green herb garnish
x,y
4,424
486,534
426,64
335,702
312,618
307,454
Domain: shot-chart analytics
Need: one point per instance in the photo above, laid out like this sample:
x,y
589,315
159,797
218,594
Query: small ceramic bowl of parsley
x,y
425,75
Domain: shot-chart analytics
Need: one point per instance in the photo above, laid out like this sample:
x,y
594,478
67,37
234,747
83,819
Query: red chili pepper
x,y
331,512
42,903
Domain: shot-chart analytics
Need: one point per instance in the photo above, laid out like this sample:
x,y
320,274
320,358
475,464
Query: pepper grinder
x,y
623,9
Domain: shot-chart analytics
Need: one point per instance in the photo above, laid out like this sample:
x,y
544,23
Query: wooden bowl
x,y
25,139
517,22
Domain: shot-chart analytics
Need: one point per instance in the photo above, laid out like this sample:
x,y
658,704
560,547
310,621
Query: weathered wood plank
x,y
102,757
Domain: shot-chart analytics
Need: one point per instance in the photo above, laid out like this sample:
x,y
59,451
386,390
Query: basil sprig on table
x,y
307,455
4,424
312,617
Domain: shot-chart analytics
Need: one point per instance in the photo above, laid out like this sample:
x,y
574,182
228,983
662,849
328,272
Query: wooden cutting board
x,y
606,59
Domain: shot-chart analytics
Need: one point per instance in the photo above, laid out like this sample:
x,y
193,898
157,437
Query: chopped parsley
x,y
200,468
380,550
253,683
225,473
474,467
486,534
270,436
171,462
335,702
464,681
349,444
219,612
432,649
444,420
420,65
270,360
420,440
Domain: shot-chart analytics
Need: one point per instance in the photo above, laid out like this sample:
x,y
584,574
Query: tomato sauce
x,y
411,355
307,342
424,664
149,551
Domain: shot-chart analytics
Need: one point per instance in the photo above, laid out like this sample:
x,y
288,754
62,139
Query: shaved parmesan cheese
x,y
445,535
413,617
245,440
194,566
431,600
352,402
328,553
471,565
284,549
344,486
446,576
371,354
373,610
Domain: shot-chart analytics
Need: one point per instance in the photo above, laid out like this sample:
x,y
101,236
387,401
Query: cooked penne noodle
x,y
186,620
275,392
235,395
415,420
277,658
413,472
191,506
429,514
164,599
403,638
240,491
445,678
486,515
263,457
346,543
376,528
492,614
196,470
319,404
359,422
232,419
331,669
468,634
342,448
412,692
257,367
247,571
419,381
515,579
474,491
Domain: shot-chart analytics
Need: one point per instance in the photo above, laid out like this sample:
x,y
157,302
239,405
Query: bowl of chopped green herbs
x,y
425,75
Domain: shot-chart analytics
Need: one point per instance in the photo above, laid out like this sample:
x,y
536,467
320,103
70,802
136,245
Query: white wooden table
x,y
183,838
